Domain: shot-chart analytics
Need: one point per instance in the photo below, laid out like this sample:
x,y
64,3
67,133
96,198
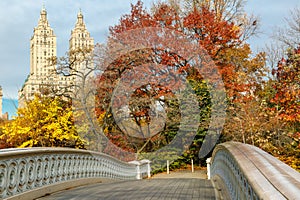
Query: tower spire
x,y
43,6
80,22
43,16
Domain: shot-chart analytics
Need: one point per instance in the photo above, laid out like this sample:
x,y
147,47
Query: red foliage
x,y
286,85
201,26
210,32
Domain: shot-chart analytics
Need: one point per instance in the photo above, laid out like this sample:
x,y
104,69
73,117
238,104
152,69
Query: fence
x,y
250,173
50,169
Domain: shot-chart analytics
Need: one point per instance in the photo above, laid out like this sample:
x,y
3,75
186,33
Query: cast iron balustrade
x,y
250,173
24,170
242,171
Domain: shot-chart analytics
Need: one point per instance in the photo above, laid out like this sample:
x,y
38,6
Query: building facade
x,y
44,77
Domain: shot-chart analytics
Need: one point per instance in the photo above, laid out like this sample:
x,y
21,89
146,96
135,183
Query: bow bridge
x,y
235,171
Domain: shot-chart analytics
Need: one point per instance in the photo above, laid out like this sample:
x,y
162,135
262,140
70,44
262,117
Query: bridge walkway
x,y
176,185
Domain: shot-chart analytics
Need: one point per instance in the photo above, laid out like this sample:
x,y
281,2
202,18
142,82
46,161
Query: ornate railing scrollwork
x,y
250,173
23,170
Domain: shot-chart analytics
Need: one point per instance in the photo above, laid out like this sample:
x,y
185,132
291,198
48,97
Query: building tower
x,y
43,78
42,48
80,40
80,37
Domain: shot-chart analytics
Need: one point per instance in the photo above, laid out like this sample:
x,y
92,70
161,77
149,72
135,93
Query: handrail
x,y
250,173
22,170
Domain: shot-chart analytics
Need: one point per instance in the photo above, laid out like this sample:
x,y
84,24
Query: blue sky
x,y
19,17
10,106
272,15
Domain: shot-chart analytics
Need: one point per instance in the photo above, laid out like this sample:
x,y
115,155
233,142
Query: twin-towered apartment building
x,y
42,49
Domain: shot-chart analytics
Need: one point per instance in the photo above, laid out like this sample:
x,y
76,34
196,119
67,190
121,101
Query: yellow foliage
x,y
101,118
44,122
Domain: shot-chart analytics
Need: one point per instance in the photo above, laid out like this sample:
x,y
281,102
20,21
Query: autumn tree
x,y
285,80
289,33
243,74
225,10
43,122
287,86
79,69
223,42
285,103
284,37
3,144
282,92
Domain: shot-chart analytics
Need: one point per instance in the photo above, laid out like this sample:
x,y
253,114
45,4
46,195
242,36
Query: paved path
x,y
185,185
200,174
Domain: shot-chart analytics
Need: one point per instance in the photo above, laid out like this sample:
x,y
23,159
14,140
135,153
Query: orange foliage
x,y
286,86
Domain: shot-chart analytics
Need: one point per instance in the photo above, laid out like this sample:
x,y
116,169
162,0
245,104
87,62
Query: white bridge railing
x,y
41,169
250,173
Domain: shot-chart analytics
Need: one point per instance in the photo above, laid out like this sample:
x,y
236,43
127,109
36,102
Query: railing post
x,y
208,163
138,169
192,162
168,169
148,168
138,172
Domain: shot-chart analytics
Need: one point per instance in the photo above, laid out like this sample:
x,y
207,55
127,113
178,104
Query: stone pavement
x,y
176,185
201,174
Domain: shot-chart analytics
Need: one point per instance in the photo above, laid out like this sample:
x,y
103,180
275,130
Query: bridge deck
x,y
173,186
